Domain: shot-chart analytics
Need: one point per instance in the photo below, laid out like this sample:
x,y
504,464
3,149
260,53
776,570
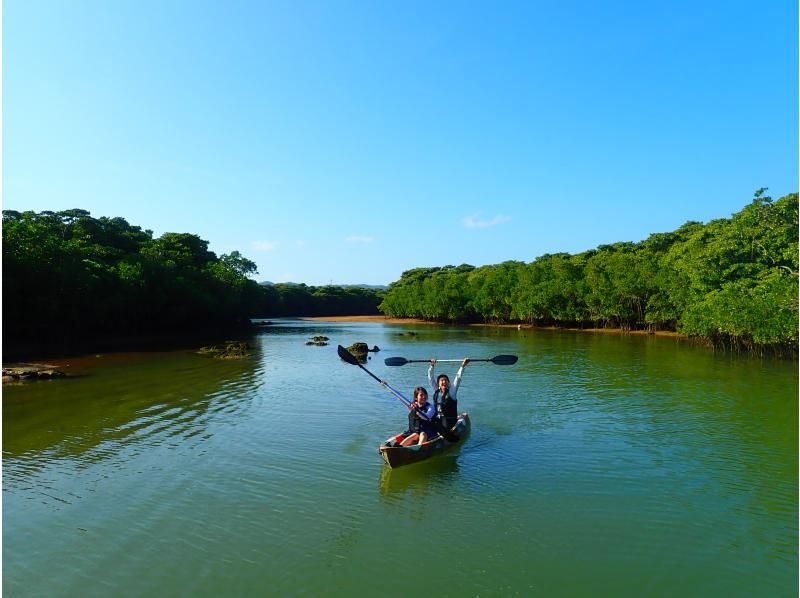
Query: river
x,y
597,465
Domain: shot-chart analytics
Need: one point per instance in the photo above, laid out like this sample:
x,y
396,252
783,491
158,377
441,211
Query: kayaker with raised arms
x,y
444,394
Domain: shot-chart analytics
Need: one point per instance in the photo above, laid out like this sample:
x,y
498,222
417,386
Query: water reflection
x,y
166,398
630,459
417,480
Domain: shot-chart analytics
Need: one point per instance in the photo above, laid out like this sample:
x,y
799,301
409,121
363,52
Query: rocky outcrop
x,y
227,350
319,341
360,350
29,372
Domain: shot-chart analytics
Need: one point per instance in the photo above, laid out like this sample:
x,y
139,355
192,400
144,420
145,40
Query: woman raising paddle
x,y
444,394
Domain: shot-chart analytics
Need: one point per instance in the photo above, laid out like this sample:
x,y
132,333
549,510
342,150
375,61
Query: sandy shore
x,y
386,320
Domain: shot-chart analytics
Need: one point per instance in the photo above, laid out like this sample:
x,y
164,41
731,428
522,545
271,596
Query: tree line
x,y
291,299
732,282
68,276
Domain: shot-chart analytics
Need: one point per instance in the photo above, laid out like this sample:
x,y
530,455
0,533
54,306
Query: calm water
x,y
598,465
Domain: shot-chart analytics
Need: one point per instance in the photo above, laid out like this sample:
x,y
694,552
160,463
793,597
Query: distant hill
x,y
269,283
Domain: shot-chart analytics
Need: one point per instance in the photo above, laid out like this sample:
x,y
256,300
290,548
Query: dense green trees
x,y
69,277
732,281
289,299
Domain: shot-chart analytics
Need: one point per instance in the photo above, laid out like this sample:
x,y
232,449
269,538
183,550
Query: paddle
x,y
351,359
497,360
345,355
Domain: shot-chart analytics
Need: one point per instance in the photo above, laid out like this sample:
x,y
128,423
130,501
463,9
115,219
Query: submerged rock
x,y
319,341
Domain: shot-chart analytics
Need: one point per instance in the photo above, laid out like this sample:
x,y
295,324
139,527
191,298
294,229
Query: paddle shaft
x,y
443,360
345,355
396,394
497,360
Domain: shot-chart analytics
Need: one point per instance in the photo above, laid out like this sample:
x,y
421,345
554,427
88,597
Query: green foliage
x,y
732,281
286,299
70,276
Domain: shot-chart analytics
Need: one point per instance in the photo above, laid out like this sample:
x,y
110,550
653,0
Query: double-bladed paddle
x,y
497,360
347,356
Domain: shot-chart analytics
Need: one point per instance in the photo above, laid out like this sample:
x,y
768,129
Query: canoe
x,y
395,455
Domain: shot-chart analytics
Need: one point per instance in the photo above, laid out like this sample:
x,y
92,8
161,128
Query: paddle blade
x,y
504,360
395,361
347,356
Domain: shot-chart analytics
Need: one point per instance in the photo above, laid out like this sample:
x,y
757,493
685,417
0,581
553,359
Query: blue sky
x,y
345,142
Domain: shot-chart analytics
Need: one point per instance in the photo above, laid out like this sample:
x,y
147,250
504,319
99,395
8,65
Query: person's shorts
x,y
430,431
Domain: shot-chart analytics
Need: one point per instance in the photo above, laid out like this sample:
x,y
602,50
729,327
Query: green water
x,y
597,465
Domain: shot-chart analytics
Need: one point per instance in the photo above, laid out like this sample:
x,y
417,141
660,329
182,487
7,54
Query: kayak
x,y
395,455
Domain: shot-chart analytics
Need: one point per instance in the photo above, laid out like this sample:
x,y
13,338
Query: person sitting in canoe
x,y
421,413
444,395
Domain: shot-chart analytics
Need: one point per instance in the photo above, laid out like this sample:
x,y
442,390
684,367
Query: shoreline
x,y
387,320
53,353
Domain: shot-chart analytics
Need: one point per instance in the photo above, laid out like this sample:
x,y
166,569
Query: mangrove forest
x,y
70,279
733,282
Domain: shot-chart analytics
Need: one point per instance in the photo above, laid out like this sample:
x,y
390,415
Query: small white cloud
x,y
264,245
472,222
359,239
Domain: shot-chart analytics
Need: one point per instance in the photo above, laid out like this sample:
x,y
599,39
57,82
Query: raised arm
x,y
431,378
457,381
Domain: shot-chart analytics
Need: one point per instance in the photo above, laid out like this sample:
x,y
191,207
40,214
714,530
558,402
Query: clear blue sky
x,y
346,142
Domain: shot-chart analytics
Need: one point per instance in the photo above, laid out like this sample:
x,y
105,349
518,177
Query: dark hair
x,y
440,376
420,389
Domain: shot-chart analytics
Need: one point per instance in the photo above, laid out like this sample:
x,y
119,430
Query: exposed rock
x,y
319,341
227,350
29,372
359,351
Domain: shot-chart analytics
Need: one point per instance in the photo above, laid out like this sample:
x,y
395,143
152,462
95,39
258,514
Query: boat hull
x,y
397,456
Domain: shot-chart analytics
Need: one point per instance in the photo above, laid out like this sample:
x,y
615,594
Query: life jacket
x,y
414,421
418,424
446,408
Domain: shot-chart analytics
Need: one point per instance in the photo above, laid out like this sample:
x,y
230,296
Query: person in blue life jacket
x,y
444,395
421,414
